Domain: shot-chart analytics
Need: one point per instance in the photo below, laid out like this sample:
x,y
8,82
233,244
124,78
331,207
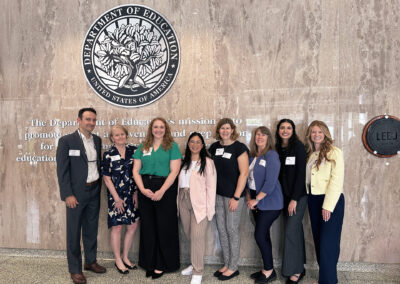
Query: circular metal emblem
x,y
131,56
381,136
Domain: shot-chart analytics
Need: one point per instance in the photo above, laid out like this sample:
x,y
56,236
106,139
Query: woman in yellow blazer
x,y
324,181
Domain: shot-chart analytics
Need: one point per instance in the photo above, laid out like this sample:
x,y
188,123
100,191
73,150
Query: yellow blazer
x,y
328,179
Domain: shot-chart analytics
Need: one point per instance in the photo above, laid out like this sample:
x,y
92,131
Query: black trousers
x,y
83,219
264,220
159,238
326,237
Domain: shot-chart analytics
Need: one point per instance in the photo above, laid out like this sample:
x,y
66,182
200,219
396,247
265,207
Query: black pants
x,y
326,237
264,220
159,238
83,219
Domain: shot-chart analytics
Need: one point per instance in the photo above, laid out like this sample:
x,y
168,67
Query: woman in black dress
x,y
117,167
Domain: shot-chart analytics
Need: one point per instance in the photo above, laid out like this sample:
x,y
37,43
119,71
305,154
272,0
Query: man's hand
x,y
71,201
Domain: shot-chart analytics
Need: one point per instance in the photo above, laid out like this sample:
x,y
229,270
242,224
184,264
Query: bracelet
x,y
236,198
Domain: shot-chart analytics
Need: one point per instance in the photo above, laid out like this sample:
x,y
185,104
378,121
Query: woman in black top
x,y
232,164
292,154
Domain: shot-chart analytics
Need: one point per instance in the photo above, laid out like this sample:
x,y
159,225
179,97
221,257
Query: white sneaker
x,y
196,279
188,271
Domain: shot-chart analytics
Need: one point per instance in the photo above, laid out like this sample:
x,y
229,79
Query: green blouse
x,y
157,162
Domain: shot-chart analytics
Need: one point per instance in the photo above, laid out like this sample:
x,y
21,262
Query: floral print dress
x,y
120,172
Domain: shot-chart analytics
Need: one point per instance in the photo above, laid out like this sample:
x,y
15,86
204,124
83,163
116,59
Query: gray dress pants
x,y
294,254
228,230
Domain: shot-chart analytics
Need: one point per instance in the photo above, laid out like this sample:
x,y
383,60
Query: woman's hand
x,y
148,193
326,215
119,206
233,204
158,195
252,204
292,207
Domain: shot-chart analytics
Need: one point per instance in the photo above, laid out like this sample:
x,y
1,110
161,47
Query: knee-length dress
x,y
120,172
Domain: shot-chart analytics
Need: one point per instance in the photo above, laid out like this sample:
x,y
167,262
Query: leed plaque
x,y
381,136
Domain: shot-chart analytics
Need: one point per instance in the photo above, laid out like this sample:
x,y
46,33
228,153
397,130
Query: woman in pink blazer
x,y
196,201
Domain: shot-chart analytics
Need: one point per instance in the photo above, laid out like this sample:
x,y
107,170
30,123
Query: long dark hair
x,y
292,139
187,160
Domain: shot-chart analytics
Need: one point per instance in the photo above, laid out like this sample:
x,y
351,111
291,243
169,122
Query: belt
x,y
92,183
154,177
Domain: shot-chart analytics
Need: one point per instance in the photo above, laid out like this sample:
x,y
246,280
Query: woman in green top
x,y
156,166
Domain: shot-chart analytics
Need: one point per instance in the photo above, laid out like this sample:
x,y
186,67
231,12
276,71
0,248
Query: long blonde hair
x,y
167,139
326,145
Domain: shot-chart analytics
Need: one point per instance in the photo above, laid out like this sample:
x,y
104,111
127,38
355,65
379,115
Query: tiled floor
x,y
52,269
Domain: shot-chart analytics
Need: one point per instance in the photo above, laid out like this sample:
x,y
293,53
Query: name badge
x,y
263,163
74,153
219,151
115,158
227,155
148,153
290,161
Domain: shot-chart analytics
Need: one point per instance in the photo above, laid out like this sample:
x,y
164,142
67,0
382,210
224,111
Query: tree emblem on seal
x,y
131,56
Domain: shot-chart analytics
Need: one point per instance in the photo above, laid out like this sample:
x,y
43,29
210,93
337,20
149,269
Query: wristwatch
x,y
236,198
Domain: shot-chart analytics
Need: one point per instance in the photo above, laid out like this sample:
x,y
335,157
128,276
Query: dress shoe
x,y
255,275
121,271
264,279
78,278
149,273
222,277
289,281
217,273
157,275
131,267
95,267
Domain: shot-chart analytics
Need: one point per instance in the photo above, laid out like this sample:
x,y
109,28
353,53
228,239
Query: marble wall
x,y
253,60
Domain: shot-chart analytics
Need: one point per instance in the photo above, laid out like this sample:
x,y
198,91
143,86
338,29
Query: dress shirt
x,y
90,149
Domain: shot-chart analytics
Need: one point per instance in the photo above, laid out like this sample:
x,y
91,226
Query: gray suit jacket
x,y
72,170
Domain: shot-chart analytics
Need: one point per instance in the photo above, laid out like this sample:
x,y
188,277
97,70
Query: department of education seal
x,y
131,56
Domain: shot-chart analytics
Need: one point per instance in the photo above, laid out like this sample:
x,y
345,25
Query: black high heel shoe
x,y
157,275
120,270
149,273
289,281
131,267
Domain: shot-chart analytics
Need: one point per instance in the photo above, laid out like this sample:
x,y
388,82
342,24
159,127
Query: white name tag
x,y
219,151
262,163
75,153
290,161
227,155
115,158
148,153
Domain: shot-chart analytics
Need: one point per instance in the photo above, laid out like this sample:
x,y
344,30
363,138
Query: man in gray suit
x,y
78,172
